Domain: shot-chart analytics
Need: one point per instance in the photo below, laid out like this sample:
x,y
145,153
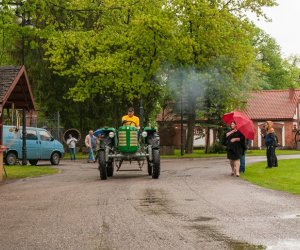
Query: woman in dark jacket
x,y
270,144
234,140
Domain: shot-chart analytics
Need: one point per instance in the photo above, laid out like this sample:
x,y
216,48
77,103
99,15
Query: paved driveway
x,y
195,204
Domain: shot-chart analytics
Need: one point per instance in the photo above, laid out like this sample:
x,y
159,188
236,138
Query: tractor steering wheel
x,y
130,122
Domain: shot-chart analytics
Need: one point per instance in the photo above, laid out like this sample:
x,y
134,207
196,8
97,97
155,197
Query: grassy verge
x,y
284,178
16,172
199,153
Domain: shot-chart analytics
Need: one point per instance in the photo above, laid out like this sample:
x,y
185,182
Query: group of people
x,y
92,142
236,145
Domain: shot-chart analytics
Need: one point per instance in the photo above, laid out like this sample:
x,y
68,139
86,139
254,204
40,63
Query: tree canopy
x,y
92,59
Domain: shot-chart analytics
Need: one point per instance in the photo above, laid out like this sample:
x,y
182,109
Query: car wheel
x,y
33,162
11,159
156,164
55,158
102,165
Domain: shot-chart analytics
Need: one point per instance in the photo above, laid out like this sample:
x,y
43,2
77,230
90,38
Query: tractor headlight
x,y
111,134
144,134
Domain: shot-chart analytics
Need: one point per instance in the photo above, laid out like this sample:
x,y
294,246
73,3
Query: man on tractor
x,y
130,119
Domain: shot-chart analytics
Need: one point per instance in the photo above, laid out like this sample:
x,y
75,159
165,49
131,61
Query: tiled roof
x,y
7,76
272,104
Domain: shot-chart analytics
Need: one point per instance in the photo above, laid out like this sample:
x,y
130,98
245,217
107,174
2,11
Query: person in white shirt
x,y
90,143
71,142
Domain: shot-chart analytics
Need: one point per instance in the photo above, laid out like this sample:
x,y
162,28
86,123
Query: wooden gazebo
x,y
15,92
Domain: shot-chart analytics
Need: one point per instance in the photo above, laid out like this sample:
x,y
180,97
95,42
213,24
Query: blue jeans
x,y
242,163
72,153
91,155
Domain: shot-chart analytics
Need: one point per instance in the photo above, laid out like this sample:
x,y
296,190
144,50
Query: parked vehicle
x,y
39,143
127,145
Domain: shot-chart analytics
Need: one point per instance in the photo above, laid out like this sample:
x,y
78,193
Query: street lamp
x,y
22,18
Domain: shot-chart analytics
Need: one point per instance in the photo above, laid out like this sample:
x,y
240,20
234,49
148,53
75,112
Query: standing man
x,y
130,119
90,143
71,142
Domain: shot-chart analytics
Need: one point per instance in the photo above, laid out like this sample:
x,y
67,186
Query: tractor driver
x,y
130,119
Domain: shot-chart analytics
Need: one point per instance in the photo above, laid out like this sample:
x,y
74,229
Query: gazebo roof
x,y
15,89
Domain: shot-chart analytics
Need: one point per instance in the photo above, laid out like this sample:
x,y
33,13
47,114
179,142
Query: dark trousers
x,y
271,157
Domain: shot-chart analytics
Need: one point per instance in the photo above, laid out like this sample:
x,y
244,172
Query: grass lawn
x,y
16,172
284,178
199,153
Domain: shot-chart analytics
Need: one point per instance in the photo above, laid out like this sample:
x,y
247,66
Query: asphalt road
x,y
195,204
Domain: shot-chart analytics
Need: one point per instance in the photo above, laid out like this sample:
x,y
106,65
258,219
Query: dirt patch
x,y
155,201
207,233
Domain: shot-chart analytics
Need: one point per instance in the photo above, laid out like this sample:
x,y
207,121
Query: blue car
x,y
39,143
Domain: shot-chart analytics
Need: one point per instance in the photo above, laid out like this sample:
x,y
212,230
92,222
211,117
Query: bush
x,y
217,148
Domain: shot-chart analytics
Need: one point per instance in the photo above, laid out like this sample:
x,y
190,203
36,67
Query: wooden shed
x,y
15,92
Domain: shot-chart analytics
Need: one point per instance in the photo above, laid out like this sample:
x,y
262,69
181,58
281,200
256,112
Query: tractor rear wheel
x,y
110,169
102,166
156,164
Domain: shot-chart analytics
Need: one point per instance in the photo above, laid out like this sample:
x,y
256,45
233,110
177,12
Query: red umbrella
x,y
243,123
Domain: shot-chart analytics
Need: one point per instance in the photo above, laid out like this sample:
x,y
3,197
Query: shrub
x,y
216,148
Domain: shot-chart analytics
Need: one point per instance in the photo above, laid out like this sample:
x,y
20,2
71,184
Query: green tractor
x,y
128,144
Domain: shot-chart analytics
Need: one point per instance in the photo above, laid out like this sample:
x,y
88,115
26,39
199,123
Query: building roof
x,y
15,89
7,76
272,104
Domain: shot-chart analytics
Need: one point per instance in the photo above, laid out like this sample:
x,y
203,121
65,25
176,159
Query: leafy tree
x,y
210,33
272,67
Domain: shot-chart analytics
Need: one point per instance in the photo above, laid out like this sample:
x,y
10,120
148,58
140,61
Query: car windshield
x,y
45,136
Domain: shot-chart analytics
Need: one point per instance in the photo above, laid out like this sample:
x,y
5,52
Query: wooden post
x,y
1,165
2,149
1,141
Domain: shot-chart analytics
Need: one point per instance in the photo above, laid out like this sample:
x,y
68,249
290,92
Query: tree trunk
x,y
190,133
207,140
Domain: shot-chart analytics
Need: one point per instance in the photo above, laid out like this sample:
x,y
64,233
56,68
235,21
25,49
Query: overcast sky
x,y
285,25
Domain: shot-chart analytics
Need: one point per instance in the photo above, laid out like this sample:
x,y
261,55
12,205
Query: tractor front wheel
x,y
102,166
150,167
156,164
110,169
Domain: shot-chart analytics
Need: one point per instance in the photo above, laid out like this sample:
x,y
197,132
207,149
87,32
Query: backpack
x,y
276,143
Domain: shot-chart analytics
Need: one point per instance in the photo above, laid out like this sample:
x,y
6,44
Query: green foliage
x,y
90,60
216,148
274,70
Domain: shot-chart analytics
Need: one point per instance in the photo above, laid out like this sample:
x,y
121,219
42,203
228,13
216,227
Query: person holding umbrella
x,y
241,128
234,142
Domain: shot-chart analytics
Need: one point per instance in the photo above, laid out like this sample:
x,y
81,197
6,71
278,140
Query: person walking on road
x,y
90,143
71,142
234,140
271,144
